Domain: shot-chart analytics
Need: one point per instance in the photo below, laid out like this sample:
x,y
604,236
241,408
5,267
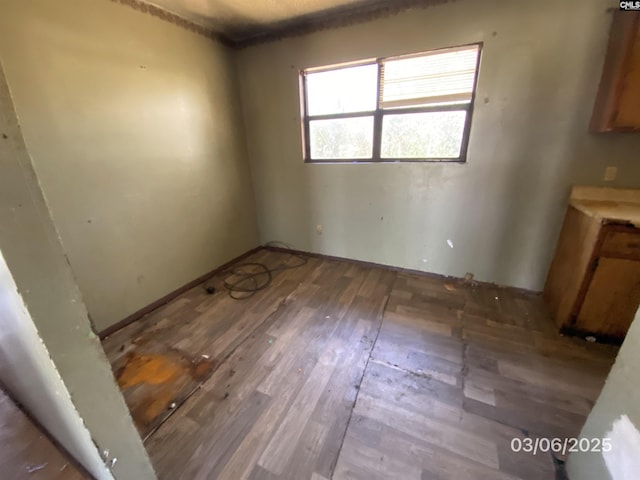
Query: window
x,y
408,108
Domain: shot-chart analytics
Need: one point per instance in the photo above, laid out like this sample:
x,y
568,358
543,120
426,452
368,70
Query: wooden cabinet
x,y
617,106
593,285
611,299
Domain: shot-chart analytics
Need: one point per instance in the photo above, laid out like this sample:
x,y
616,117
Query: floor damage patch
x,y
155,383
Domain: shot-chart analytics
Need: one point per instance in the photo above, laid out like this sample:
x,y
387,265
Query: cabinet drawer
x,y
621,244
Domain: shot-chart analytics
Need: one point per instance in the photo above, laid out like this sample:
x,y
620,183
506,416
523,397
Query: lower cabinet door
x,y
612,298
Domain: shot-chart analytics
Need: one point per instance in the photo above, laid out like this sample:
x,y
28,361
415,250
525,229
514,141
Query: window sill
x,y
369,161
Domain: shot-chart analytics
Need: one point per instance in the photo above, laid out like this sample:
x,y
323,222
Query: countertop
x,y
608,204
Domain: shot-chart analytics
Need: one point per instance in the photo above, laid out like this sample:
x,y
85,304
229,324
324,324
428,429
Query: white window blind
x,y
443,76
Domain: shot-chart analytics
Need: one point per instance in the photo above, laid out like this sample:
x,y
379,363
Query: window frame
x,y
379,113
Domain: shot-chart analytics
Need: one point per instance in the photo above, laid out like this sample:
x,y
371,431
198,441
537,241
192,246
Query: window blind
x,y
437,77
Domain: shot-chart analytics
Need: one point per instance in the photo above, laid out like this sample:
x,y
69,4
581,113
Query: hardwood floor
x,y
342,370
26,452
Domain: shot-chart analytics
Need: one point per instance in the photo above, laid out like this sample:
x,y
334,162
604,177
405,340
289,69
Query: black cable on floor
x,y
246,279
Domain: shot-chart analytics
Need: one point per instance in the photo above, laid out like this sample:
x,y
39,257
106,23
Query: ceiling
x,y
240,21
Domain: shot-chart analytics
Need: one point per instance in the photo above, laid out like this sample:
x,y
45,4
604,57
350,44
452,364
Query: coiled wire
x,y
244,280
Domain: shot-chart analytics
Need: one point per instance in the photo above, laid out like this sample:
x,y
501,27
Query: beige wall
x,y
135,132
620,396
502,210
50,360
33,380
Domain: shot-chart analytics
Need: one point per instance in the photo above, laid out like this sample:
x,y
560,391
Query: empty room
x,y
319,239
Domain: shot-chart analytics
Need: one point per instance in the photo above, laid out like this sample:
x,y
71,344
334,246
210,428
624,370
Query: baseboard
x,y
398,269
170,296
203,278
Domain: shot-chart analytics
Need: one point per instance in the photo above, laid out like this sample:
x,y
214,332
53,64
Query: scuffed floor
x,y
341,370
26,452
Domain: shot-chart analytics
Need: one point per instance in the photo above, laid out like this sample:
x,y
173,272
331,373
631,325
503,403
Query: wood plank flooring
x,y
342,370
26,452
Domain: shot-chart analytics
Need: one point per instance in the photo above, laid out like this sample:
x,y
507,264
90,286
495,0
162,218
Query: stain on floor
x,y
154,384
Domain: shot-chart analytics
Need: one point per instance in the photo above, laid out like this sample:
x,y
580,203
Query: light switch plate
x,y
610,174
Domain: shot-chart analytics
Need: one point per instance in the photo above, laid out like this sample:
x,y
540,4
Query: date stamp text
x,y
560,446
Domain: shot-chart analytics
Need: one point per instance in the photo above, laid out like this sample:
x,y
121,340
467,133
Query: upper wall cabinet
x,y
617,107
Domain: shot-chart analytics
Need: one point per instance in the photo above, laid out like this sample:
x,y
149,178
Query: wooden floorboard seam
x,y
364,371
342,370
222,363
557,463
